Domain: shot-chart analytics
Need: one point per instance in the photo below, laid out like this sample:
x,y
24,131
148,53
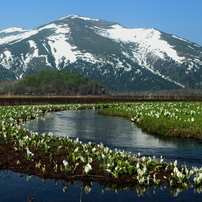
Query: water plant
x,y
53,156
173,119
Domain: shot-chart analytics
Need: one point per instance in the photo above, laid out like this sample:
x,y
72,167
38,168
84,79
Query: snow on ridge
x,y
86,18
68,53
179,38
16,38
62,29
48,26
63,18
148,40
73,16
13,29
142,62
63,51
58,29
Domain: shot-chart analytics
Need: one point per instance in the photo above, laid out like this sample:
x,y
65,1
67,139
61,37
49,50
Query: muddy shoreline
x,y
13,159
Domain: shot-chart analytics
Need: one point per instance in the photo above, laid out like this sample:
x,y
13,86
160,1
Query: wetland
x,y
90,131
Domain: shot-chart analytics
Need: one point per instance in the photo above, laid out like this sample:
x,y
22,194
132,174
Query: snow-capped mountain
x,y
124,60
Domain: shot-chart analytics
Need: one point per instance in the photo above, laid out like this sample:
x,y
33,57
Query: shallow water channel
x,y
114,132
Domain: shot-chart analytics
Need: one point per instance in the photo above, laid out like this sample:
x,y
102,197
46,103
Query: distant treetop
x,y
56,83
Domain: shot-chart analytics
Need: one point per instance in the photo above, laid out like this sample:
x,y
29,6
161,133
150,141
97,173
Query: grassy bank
x,y
171,119
68,159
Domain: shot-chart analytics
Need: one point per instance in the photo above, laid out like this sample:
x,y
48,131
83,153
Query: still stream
x,y
114,132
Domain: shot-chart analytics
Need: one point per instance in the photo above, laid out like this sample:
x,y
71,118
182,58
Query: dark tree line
x,y
55,83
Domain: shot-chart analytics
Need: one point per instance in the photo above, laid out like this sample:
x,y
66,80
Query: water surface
x,y
120,133
114,132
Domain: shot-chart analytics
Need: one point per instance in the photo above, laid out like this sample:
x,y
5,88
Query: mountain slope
x,y
124,60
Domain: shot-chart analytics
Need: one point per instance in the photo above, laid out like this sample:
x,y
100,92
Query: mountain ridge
x,y
122,59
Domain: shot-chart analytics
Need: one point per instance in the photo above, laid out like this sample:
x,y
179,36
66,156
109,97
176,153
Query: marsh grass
x,y
171,119
48,156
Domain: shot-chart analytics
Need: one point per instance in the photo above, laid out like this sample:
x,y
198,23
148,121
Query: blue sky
x,y
179,17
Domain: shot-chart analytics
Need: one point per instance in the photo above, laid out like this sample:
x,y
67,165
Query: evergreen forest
x,y
54,83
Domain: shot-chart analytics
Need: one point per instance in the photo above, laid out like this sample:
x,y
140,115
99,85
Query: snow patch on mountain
x,y
30,56
56,43
6,59
49,26
73,16
63,52
33,45
61,49
148,46
148,41
180,38
13,29
7,54
11,39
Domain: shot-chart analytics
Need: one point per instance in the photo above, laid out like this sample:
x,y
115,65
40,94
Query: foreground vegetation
x,y
171,119
48,156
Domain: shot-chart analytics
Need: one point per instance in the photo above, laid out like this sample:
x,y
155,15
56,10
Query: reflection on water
x,y
18,187
114,132
117,132
90,126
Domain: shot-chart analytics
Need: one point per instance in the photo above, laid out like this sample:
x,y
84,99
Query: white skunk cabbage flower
x,y
87,168
65,163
